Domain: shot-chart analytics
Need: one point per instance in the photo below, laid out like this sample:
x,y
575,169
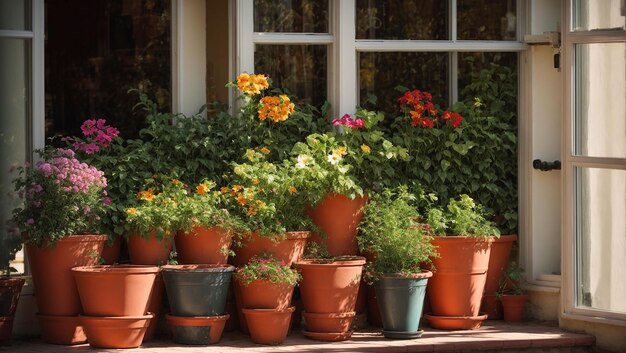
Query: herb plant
x,y
462,217
267,268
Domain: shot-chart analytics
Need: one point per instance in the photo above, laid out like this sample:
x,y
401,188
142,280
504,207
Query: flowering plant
x,y
268,269
62,196
461,217
269,197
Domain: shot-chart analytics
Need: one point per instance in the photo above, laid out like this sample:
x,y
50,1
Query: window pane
x,y
600,201
589,15
97,50
297,16
486,20
14,15
499,70
14,99
300,69
400,19
380,73
600,108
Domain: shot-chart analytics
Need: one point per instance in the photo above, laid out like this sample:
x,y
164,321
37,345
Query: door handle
x,y
546,166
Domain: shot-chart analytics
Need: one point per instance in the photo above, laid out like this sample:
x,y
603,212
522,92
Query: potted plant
x,y
63,200
511,294
154,220
206,226
10,287
400,250
462,236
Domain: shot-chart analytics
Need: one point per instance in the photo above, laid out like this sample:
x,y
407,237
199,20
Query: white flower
x,y
334,158
303,161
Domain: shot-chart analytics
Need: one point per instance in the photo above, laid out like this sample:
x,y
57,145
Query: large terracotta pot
x,y
263,294
55,289
289,249
330,286
149,250
268,326
115,290
328,323
61,329
203,245
498,262
116,331
456,288
338,217
10,289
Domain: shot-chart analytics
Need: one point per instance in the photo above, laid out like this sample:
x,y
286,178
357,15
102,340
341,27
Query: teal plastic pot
x,y
197,290
401,300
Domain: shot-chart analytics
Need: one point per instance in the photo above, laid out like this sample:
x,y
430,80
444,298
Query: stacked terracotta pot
x,y
115,303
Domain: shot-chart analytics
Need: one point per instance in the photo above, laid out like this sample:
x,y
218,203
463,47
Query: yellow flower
x,y
224,189
131,211
147,195
237,187
250,154
202,189
176,182
342,151
265,150
251,211
260,204
251,84
365,148
167,232
292,190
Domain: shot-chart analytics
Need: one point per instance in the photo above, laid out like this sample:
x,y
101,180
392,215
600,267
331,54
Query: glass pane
x,y
400,19
14,100
593,14
380,73
482,74
486,20
294,16
300,69
92,60
15,15
600,109
600,201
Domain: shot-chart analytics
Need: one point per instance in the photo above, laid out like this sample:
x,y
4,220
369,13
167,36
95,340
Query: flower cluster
x,y
252,84
419,105
267,268
97,135
276,108
348,121
62,196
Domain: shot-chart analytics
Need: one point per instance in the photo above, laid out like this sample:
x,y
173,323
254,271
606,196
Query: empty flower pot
x,y
268,326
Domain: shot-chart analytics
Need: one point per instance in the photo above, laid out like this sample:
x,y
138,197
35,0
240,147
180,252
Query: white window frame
x,y
571,161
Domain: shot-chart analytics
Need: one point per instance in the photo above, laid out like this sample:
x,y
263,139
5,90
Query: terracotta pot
x,y
10,290
288,250
498,262
268,326
115,331
149,250
198,330
455,322
513,307
456,288
203,245
115,290
238,291
261,294
328,337
111,251
338,217
330,286
66,330
155,306
328,323
54,286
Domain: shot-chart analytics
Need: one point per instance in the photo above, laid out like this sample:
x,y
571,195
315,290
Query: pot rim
x,y
345,315
148,316
423,274
462,239
287,310
116,269
193,320
333,262
198,268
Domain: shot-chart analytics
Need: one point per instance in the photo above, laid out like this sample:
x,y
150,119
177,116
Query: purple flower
x,y
30,221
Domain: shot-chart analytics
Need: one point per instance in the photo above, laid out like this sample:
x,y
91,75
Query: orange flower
x,y
265,150
292,190
252,84
202,189
131,211
176,182
237,187
251,211
255,181
147,195
224,189
276,108
242,199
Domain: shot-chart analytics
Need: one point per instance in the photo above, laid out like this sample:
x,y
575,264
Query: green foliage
x,y
10,244
390,232
266,268
462,217
511,282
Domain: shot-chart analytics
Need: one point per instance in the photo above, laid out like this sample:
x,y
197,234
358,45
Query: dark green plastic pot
x,y
197,290
401,300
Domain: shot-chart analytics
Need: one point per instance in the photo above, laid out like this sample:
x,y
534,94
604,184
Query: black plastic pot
x,y
197,290
401,300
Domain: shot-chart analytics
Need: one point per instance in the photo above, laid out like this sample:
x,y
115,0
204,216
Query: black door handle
x,y
545,166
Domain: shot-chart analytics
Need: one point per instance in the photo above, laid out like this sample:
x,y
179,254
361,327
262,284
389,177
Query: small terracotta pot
x,y
203,245
55,289
198,330
330,286
115,331
268,326
149,250
455,322
328,323
498,261
262,294
289,249
115,290
65,330
338,217
513,307
111,251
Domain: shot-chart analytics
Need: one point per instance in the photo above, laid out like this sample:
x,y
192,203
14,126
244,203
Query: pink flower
x,y
30,221
349,122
